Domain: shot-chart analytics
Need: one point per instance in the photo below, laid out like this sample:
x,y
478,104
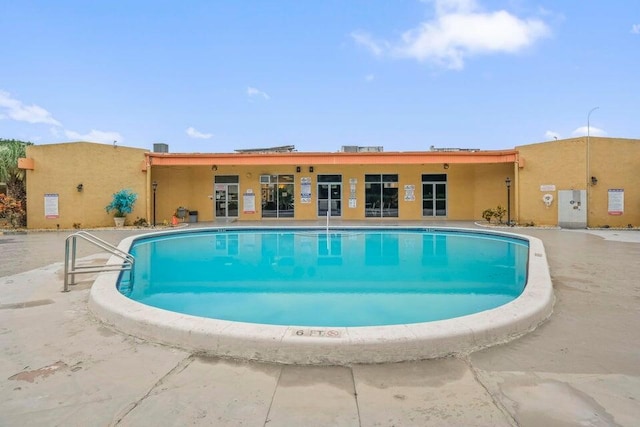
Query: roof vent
x,y
160,148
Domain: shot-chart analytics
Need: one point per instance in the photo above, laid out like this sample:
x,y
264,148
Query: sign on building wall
x,y
547,187
409,193
249,202
51,206
352,193
305,190
616,201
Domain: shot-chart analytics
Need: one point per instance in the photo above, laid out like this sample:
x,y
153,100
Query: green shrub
x,y
488,214
140,222
498,213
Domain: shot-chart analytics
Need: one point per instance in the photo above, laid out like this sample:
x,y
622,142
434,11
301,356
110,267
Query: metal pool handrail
x,y
71,269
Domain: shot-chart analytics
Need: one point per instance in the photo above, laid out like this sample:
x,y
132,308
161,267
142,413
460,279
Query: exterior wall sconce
x,y
80,187
298,169
310,168
214,168
594,180
446,166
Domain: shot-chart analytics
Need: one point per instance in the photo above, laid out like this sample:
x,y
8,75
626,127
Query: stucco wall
x,y
101,169
615,162
471,188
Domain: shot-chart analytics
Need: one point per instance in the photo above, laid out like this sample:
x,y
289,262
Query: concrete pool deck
x,y
60,365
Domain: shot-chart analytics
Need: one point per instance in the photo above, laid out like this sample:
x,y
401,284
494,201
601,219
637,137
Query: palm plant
x,y
10,151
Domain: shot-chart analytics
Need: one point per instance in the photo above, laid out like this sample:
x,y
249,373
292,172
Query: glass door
x,y
221,200
381,196
434,195
226,196
278,197
329,195
233,193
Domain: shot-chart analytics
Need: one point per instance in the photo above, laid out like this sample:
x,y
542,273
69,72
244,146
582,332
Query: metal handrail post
x,y
71,269
66,266
74,250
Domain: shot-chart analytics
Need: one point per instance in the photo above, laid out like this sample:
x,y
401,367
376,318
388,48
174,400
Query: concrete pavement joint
x,y
355,395
181,366
497,403
267,419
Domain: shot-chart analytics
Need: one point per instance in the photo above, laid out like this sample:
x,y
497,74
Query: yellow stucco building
x,y
575,182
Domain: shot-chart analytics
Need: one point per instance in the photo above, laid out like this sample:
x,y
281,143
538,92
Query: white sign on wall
x,y
352,193
305,190
616,201
249,202
51,206
409,193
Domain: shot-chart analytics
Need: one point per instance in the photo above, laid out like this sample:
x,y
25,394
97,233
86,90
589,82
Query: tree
x,y
10,151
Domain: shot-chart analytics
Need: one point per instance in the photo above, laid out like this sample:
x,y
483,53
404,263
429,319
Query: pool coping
x,y
330,345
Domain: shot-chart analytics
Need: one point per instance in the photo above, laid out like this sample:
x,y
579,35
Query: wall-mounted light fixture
x,y
79,187
594,180
446,166
298,169
310,168
214,168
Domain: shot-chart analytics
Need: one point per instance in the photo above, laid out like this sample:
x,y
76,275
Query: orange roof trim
x,y
384,158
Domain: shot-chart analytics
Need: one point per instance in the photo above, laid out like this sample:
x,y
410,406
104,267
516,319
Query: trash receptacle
x,y
193,216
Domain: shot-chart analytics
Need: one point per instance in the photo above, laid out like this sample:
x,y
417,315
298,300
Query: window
x,y
434,195
381,195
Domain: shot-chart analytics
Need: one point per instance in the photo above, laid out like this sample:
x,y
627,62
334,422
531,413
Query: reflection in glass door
x,y
381,195
329,195
226,196
278,196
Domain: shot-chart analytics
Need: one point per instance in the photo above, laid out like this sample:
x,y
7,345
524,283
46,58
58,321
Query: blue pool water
x,y
346,277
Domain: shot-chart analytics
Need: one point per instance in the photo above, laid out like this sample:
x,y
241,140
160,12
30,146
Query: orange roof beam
x,y
164,159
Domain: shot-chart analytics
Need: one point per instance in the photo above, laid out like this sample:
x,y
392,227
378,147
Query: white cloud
x,y
376,48
448,6
252,91
193,133
458,30
94,136
369,78
551,135
593,131
635,29
15,110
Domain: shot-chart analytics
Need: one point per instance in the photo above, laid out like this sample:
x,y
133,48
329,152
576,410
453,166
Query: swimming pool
x,y
341,278
307,342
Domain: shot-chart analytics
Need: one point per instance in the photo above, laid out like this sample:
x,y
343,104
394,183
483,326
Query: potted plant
x,y
122,204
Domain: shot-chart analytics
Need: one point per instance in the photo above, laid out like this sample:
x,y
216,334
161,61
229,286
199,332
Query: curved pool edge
x,y
334,345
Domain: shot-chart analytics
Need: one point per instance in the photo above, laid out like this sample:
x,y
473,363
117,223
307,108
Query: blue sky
x,y
213,76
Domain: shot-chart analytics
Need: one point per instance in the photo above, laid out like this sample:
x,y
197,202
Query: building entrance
x,y
329,195
226,196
